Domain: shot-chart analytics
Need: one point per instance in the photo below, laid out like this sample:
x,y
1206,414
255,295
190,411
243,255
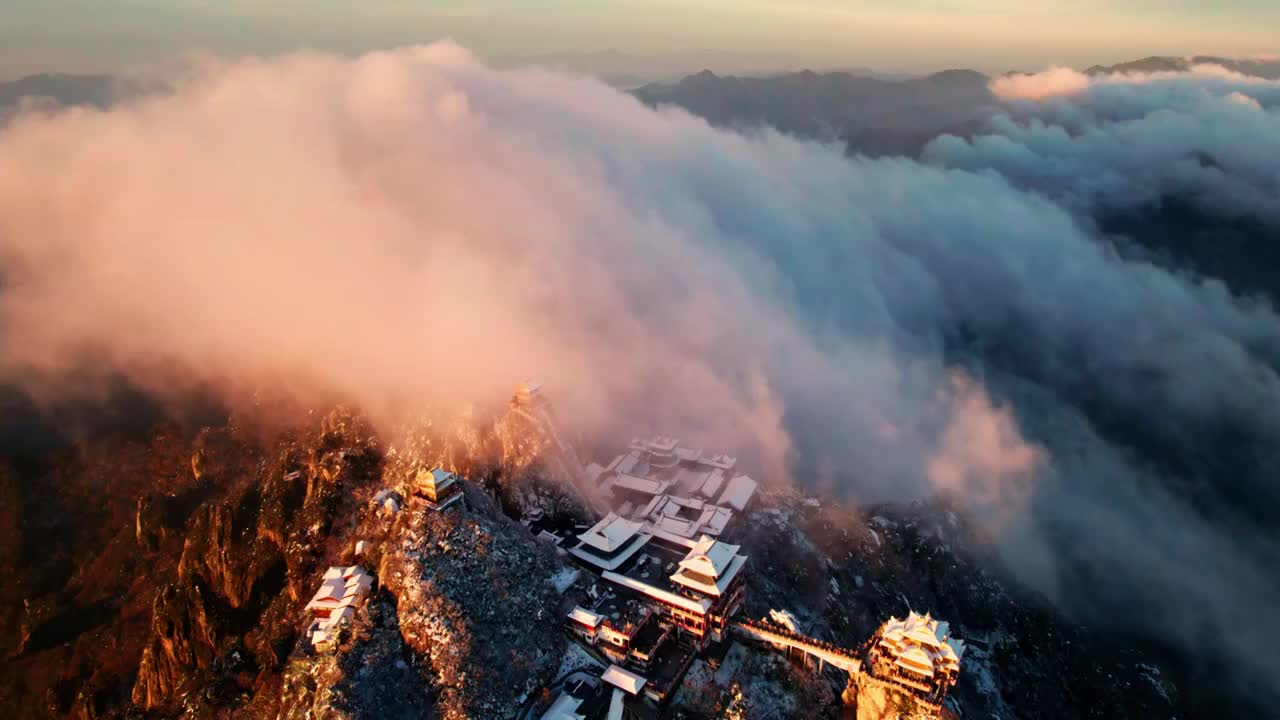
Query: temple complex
x,y
610,543
439,487
918,654
341,591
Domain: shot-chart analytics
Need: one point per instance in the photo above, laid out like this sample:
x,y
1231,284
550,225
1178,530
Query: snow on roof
x,y
652,505
709,557
925,630
922,634
690,480
714,519
615,705
610,533
695,606
586,617
688,454
617,559
735,566
340,587
624,679
916,659
722,461
713,484
626,463
738,493
343,571
663,443
639,484
675,526
671,537
691,503
441,478
331,589
564,708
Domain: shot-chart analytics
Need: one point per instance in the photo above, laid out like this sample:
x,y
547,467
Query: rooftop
x,y
586,617
922,643
623,611
436,477
610,560
648,486
625,680
738,493
564,708
709,557
610,534
659,593
710,567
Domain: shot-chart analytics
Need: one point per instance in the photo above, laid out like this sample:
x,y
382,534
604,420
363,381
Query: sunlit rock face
x,y
878,702
475,601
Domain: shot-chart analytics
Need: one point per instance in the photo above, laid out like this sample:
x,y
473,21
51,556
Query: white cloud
x,y
411,228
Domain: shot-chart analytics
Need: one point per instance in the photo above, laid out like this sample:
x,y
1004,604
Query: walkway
x,y
825,652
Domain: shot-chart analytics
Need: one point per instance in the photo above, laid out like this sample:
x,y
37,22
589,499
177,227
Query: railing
x,y
842,658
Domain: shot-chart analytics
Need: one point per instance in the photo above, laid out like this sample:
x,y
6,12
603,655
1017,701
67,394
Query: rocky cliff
x,y
175,568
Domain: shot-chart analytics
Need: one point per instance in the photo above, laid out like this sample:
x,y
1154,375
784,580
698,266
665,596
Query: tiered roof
x,y
610,542
342,588
710,566
441,484
610,533
921,644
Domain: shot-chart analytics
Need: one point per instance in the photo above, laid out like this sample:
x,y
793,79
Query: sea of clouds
x,y
413,228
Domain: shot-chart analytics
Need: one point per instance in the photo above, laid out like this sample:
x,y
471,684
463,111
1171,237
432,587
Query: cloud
x,y
1131,141
412,229
1050,83
983,459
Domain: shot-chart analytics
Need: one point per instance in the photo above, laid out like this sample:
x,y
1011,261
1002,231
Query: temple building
x,y
439,487
610,543
678,494
918,654
660,468
341,591
700,596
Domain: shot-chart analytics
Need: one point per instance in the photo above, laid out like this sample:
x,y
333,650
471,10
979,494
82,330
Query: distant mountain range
x,y
96,90
875,115
856,100
1264,68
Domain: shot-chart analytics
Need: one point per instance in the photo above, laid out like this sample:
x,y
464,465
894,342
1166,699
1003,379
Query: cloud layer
x,y
1123,141
412,228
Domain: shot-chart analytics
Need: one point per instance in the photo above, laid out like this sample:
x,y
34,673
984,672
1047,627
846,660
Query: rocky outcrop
x,y
852,569
879,701
475,601
184,637
248,560
371,675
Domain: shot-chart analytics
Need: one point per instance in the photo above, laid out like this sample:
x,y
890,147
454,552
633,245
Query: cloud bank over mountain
x,y
412,228
1129,140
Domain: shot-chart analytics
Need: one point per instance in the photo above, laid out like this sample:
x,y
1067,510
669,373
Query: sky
x,y
657,36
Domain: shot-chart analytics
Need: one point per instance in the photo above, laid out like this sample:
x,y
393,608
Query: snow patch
x,y
565,578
